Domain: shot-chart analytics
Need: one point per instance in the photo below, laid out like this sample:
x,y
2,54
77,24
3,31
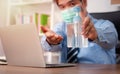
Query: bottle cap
x,y
77,9
76,18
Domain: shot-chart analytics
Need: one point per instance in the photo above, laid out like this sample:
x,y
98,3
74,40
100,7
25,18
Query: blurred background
x,y
94,6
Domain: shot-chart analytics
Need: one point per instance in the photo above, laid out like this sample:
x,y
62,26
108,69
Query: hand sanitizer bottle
x,y
80,40
70,35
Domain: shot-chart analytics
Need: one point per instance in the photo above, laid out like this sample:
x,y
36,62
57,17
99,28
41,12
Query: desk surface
x,y
80,69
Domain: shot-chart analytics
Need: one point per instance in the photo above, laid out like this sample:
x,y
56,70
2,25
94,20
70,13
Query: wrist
x,y
51,42
95,40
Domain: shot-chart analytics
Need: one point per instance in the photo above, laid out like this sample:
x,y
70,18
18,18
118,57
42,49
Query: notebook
x,y
21,44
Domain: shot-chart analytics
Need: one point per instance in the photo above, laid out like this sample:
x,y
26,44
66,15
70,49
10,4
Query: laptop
x,y
22,47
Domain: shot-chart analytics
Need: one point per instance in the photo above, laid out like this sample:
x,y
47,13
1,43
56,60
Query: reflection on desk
x,y
80,69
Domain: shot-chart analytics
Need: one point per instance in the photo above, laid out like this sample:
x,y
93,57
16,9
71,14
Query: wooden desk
x,y
80,69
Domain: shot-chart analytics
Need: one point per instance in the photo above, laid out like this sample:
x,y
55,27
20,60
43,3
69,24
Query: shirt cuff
x,y
49,47
45,44
100,37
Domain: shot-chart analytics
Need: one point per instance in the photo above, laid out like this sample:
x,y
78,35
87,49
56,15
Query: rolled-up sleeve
x,y
107,35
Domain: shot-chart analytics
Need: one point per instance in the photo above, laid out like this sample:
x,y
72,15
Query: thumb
x,y
44,29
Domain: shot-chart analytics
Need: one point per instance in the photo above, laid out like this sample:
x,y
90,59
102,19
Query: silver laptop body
x,y
22,46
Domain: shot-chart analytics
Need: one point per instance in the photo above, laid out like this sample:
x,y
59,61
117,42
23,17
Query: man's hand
x,y
51,37
88,29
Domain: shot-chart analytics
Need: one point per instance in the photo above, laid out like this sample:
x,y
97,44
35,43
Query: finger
x,y
51,41
59,39
49,35
85,22
44,29
59,36
56,38
93,34
86,30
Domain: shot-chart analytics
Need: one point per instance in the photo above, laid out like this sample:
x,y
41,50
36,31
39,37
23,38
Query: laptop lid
x,y
22,46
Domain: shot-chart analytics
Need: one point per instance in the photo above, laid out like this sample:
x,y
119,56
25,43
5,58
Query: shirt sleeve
x,y
107,35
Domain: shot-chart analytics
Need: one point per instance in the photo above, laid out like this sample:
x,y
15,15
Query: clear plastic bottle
x,y
70,35
80,40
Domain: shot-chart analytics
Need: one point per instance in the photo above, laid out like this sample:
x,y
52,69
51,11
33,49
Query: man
x,y
101,35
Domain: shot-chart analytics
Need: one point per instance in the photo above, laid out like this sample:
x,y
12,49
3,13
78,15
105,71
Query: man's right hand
x,y
51,37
